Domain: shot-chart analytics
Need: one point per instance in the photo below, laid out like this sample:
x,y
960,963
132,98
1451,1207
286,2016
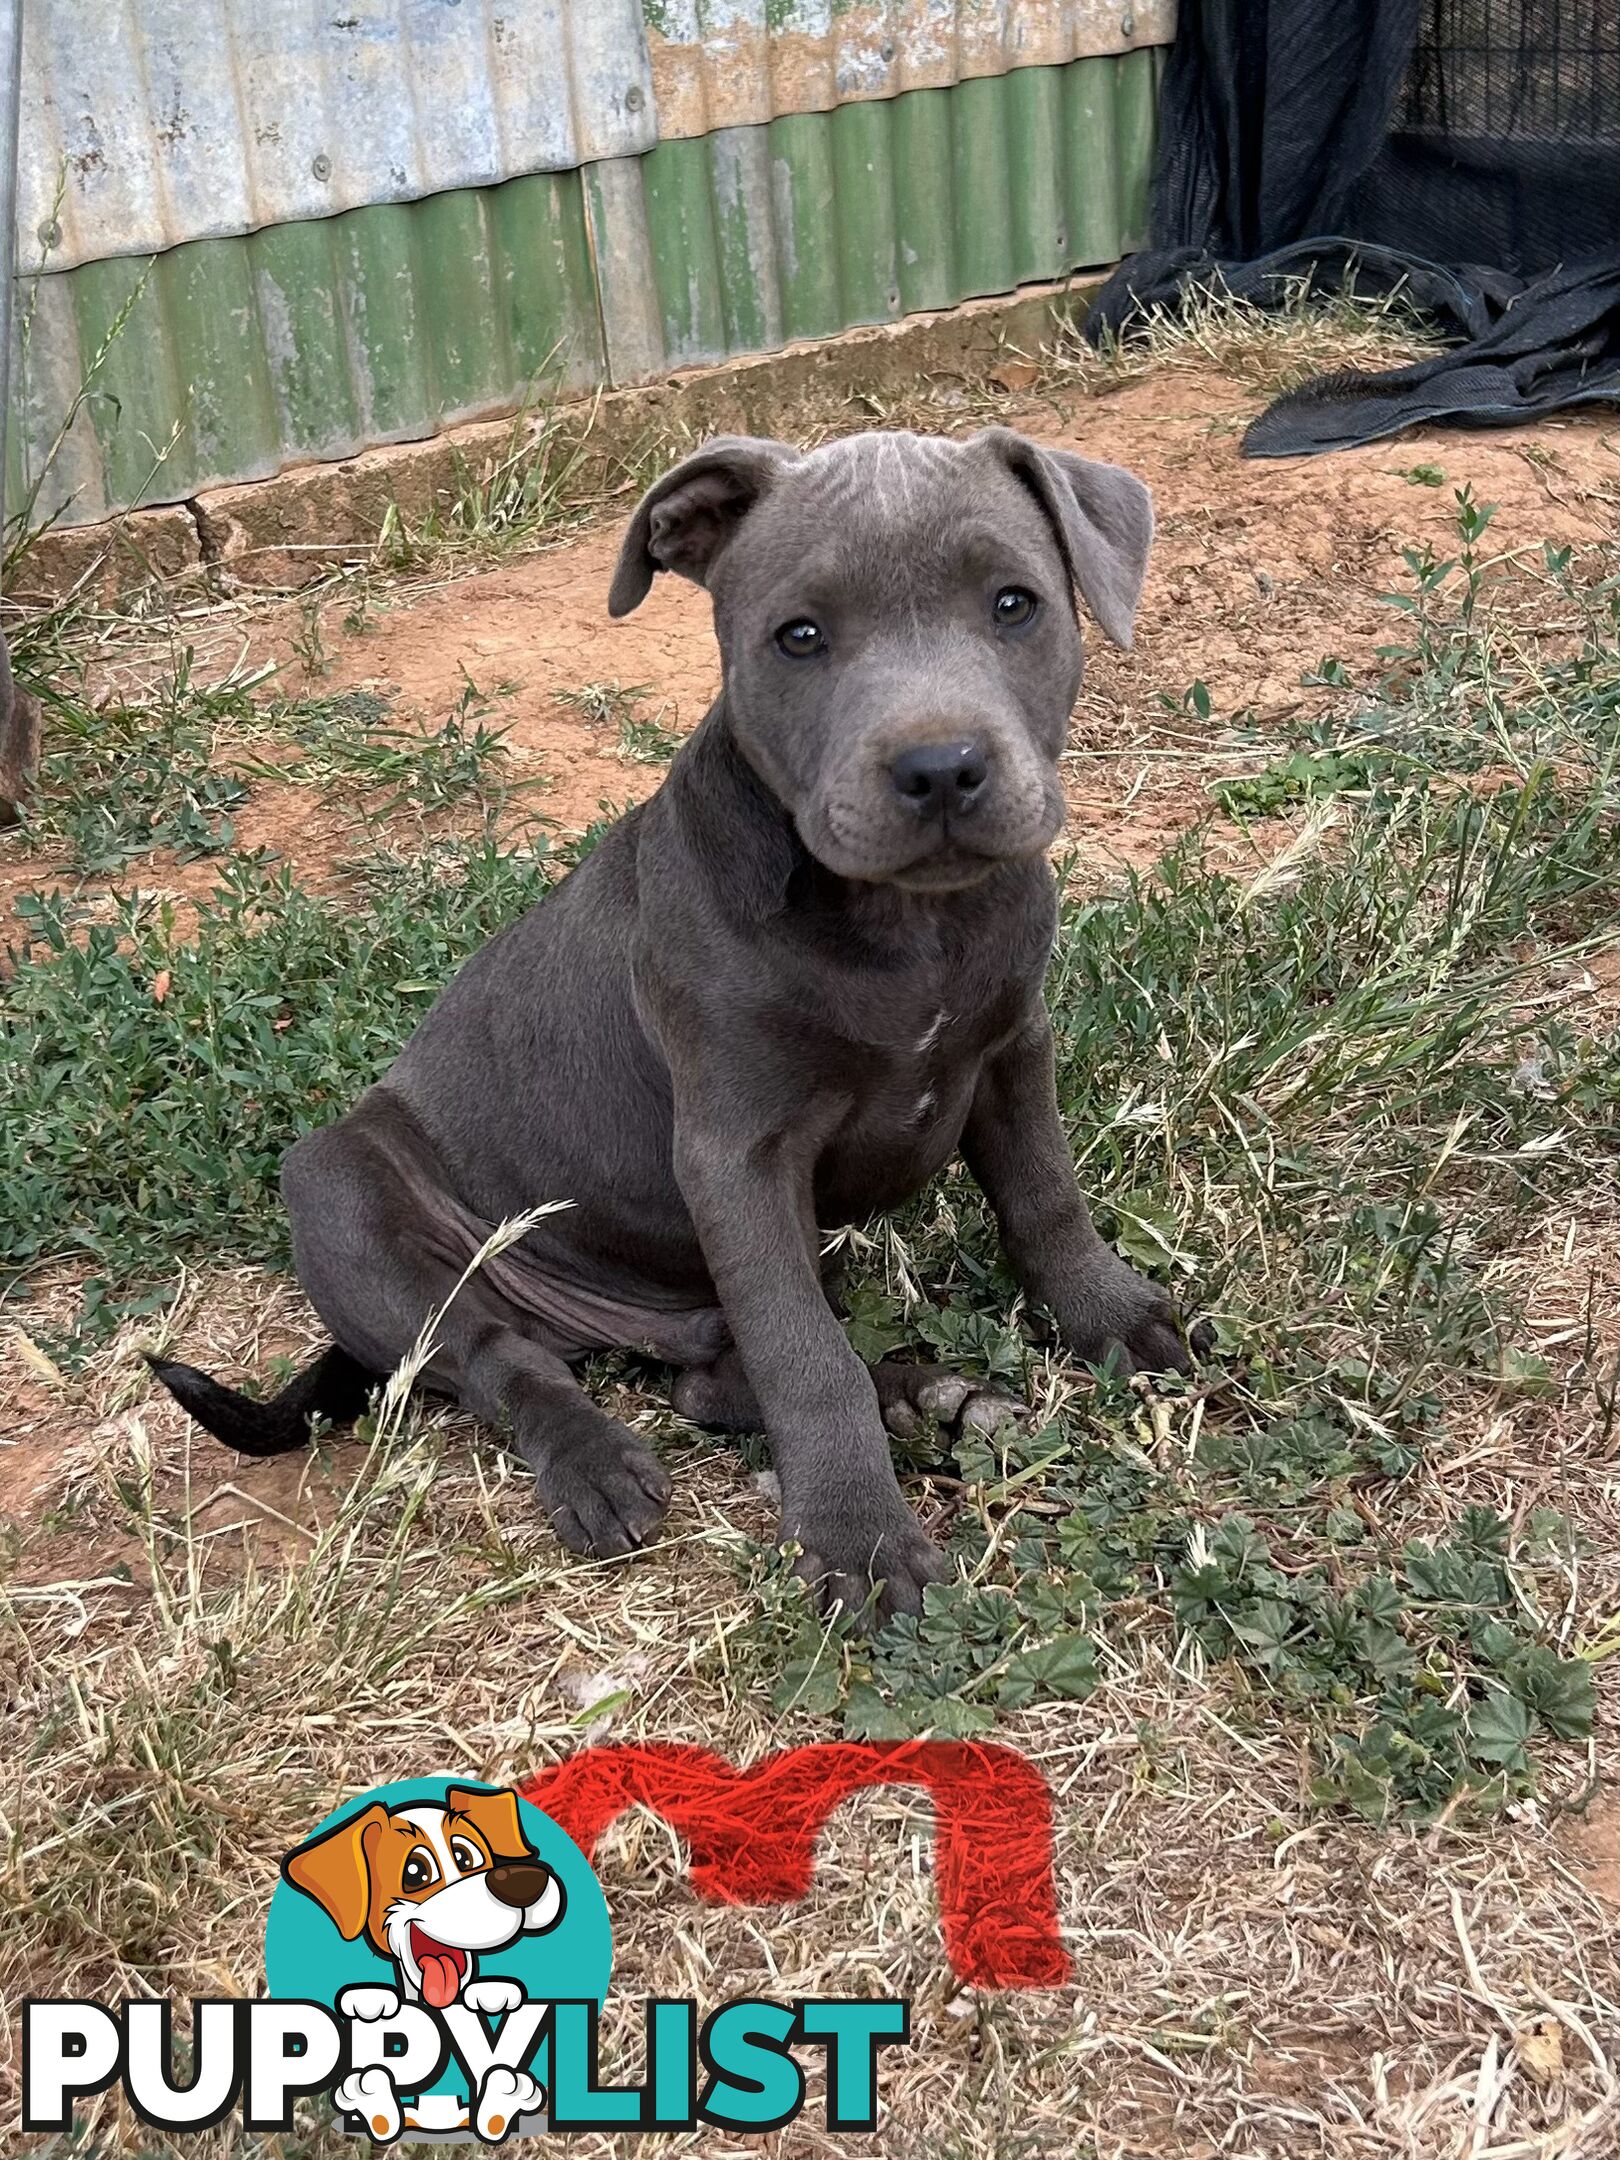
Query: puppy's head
x,y
896,614
431,1884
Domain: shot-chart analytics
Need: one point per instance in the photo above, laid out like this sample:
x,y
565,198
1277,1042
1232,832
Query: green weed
x,y
1299,777
152,1076
118,781
309,643
604,704
346,738
643,738
538,483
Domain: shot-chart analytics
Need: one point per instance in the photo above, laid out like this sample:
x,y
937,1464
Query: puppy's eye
x,y
800,640
418,1870
1014,607
467,1857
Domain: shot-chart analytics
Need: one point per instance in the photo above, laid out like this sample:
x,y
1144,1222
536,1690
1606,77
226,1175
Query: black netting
x,y
1514,70
1467,149
1504,144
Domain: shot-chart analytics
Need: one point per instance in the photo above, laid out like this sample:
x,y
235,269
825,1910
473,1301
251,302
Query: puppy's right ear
x,y
335,1870
684,520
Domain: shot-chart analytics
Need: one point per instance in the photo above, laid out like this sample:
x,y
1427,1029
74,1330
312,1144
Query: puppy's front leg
x,y
755,1219
1016,1147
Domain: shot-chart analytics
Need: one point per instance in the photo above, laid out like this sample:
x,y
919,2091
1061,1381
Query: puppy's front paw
x,y
368,2004
1125,1321
492,1998
844,1553
369,2094
605,1495
504,2096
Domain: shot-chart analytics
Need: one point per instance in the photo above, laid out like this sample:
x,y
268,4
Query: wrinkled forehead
x,y
891,475
884,510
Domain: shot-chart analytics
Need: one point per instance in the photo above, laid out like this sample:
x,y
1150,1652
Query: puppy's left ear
x,y
684,521
335,1869
1102,517
494,1815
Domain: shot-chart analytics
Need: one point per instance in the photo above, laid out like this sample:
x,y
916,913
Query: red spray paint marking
x,y
752,1833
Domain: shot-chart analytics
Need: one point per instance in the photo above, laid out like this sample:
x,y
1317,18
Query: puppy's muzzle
x,y
941,782
518,1883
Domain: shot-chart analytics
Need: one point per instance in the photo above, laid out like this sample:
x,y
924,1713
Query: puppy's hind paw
x,y
504,2098
909,1394
370,2095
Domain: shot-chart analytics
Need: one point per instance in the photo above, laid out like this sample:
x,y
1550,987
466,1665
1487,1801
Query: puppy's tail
x,y
334,1387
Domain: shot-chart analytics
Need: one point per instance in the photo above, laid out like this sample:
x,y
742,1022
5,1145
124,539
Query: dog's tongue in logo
x,y
441,1970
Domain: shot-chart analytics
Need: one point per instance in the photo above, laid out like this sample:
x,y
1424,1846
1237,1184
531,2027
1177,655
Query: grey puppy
x,y
779,996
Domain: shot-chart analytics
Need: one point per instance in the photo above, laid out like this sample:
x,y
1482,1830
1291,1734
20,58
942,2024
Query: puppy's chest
x,y
946,1044
920,1072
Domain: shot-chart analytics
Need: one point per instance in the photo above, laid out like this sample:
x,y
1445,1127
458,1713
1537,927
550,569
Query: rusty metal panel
x,y
155,122
739,63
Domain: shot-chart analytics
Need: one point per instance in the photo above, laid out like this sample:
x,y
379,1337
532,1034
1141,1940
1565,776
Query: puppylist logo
x,y
437,1955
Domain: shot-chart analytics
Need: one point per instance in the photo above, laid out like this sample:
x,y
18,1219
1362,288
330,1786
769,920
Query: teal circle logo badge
x,y
440,1919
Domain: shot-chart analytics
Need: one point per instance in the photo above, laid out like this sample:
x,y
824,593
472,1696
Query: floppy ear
x,y
684,520
494,1815
334,1869
1103,519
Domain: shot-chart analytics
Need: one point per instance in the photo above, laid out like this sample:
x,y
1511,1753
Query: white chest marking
x,y
927,1040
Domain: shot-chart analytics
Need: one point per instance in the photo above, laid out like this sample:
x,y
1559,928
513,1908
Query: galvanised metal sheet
x,y
738,63
750,237
229,359
152,122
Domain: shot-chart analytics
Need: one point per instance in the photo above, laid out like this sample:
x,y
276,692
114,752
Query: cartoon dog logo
x,y
431,1887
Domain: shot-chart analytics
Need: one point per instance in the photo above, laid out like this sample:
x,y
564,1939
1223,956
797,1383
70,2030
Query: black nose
x,y
518,1882
936,777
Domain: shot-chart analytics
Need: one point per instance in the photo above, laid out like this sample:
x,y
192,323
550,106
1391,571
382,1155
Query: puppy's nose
x,y
518,1882
938,777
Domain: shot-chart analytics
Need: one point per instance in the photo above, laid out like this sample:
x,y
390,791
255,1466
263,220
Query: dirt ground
x,y
1259,571
1468,1965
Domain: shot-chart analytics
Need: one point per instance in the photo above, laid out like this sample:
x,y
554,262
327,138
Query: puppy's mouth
x,y
949,869
443,1967
867,841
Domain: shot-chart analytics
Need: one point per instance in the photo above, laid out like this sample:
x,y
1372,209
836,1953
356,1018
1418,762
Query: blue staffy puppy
x,y
777,997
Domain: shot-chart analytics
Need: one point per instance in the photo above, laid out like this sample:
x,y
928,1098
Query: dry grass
x,y
1268,351
200,1667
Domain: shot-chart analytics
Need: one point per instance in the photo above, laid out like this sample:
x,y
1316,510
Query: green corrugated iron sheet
x,y
750,237
230,359
239,356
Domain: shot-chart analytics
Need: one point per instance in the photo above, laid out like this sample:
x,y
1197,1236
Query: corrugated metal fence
x,y
256,232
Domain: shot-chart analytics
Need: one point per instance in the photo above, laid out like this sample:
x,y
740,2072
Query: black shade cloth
x,y
1464,152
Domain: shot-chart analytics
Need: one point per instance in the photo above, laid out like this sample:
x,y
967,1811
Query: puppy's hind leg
x,y
908,1394
719,1397
381,1243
